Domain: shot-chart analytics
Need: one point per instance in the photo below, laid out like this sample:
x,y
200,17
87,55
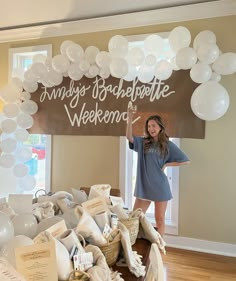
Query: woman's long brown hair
x,y
162,142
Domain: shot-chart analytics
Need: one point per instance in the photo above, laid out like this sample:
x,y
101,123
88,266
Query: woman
x,y
155,152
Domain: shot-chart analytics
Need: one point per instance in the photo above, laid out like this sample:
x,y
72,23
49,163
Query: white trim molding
x,y
203,10
204,246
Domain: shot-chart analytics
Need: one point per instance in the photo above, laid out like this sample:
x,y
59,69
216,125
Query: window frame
x,y
31,49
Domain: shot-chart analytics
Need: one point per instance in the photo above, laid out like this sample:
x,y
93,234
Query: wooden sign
x,y
98,107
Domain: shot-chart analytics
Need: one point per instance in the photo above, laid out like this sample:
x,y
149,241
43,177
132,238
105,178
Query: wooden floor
x,y
185,265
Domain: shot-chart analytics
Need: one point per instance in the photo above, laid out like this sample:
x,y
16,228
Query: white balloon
x,y
132,73
215,77
10,93
25,96
39,58
74,72
135,56
21,135
93,70
6,229
208,53
8,126
163,70
29,107
84,65
186,58
20,170
11,110
150,60
75,52
17,82
54,78
118,67
210,101
25,224
154,45
65,44
179,37
27,183
200,72
104,72
118,46
103,59
225,64
30,87
90,54
8,145
7,160
8,249
204,36
60,63
25,121
30,76
23,153
145,74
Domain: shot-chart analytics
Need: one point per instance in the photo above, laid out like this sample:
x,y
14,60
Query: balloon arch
x,y
204,59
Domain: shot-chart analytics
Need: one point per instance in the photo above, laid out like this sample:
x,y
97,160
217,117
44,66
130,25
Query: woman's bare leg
x,y
143,204
160,210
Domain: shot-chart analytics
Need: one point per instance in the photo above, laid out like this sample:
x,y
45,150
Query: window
x,y
40,165
128,158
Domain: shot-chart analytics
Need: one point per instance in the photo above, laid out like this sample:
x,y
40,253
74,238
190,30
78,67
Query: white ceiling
x,y
24,13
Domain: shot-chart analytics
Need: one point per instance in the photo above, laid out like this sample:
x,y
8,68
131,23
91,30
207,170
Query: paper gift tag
x,y
37,262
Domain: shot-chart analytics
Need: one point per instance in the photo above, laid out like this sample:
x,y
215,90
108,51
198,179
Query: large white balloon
x,y
8,145
225,64
75,52
103,59
25,224
180,37
208,53
118,67
25,121
21,135
29,107
74,72
8,250
6,229
210,101
90,54
60,63
135,56
163,70
154,45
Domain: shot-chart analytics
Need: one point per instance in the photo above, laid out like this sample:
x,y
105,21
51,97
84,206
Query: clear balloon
x,y
210,101
6,229
180,37
186,58
25,224
200,72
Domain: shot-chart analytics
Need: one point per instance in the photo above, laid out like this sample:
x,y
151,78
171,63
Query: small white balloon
x,y
75,52
7,161
84,65
90,54
179,37
74,72
186,58
145,74
200,72
118,67
210,101
25,224
154,45
8,126
93,70
20,170
11,110
104,72
25,96
8,145
30,87
132,73
23,154
65,44
215,77
25,121
118,46
163,70
103,59
29,107
27,183
225,64
135,56
208,53
60,63
21,135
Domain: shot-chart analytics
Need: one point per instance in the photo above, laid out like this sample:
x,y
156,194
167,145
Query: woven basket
x,y
78,275
132,224
112,249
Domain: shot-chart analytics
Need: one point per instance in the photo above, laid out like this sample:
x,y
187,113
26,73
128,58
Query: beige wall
x,y
207,186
